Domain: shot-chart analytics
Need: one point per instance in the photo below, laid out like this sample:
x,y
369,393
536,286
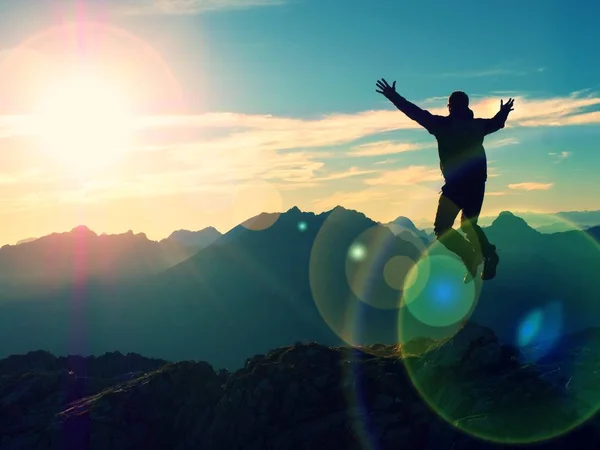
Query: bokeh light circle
x,y
377,264
400,272
436,295
439,297
347,277
542,382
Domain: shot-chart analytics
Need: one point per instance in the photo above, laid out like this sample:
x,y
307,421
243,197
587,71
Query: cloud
x,y
298,178
405,176
259,131
582,119
184,7
530,186
560,156
492,172
352,172
381,148
492,72
385,161
388,147
20,177
351,199
501,143
120,8
290,153
495,193
337,128
218,175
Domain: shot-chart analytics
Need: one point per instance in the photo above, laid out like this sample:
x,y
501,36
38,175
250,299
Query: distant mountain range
x,y
321,277
403,226
194,239
82,256
544,222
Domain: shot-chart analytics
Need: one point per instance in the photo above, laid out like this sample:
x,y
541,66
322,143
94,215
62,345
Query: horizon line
x,y
416,222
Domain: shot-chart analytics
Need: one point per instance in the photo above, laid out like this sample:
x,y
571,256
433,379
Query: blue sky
x,y
261,105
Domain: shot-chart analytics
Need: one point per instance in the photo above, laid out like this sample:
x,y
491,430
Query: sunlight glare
x,y
84,121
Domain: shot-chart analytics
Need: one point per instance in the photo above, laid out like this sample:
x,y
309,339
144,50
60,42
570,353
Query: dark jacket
x,y
459,136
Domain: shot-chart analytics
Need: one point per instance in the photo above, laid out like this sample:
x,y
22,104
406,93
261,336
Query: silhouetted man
x,y
464,167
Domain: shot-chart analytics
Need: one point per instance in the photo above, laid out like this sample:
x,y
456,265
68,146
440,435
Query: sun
x,y
84,120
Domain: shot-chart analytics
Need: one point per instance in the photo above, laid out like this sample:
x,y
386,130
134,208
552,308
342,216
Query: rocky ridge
x,y
297,397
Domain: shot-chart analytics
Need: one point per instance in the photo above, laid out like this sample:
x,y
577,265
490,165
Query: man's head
x,y
458,100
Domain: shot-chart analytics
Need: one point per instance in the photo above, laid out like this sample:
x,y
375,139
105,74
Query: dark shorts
x,y
466,194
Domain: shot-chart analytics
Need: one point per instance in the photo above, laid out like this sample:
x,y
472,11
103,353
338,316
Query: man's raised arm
x,y
412,111
499,120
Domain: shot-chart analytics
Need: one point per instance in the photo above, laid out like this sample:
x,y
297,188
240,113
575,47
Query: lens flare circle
x,y
442,298
377,265
347,278
544,383
400,272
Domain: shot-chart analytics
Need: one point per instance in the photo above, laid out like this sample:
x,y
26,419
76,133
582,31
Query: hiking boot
x,y
472,264
490,262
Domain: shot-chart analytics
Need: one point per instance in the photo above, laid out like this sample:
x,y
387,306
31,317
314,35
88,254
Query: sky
x,y
160,115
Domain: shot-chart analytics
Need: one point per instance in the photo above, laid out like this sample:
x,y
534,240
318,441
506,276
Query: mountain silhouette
x,y
80,256
24,241
291,278
555,222
249,292
512,231
557,227
198,239
403,224
540,270
595,232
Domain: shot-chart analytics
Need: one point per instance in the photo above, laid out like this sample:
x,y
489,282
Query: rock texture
x,y
305,396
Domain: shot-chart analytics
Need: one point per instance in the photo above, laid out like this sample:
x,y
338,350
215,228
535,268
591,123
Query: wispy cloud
x,y
271,132
530,186
24,176
335,129
492,72
405,176
492,172
184,7
385,161
219,175
291,153
296,178
560,156
351,199
352,172
495,193
382,148
501,142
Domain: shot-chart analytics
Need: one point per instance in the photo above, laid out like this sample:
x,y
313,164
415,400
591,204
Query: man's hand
x,y
384,88
412,111
507,107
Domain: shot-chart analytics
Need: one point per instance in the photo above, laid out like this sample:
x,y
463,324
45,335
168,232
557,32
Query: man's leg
x,y
447,212
470,216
